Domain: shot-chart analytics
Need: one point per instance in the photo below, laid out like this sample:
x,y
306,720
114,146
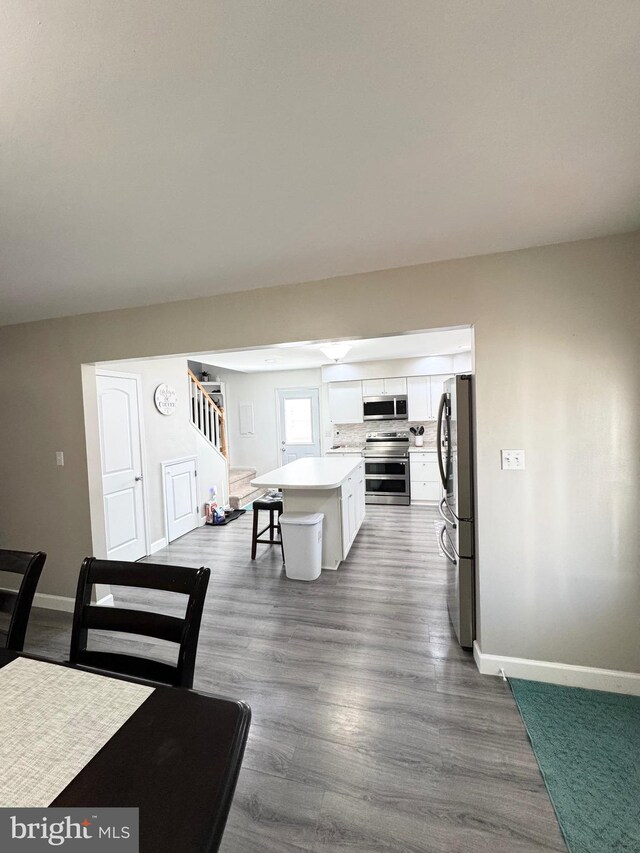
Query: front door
x,y
181,497
121,461
298,423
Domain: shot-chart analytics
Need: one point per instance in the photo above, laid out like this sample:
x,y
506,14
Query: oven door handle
x,y
441,506
442,545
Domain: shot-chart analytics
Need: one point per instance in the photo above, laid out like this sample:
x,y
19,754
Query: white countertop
x,y
422,449
347,448
315,472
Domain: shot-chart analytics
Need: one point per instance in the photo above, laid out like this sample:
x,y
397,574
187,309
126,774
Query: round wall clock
x,y
166,399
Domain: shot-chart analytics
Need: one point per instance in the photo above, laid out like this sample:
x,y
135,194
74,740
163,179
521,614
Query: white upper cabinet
x,y
345,402
419,398
424,393
372,387
437,389
384,387
397,385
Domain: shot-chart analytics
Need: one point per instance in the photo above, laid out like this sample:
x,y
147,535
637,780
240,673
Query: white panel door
x,y
181,496
121,461
298,423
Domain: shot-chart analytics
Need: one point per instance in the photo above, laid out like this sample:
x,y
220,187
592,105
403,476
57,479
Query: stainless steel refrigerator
x,y
457,508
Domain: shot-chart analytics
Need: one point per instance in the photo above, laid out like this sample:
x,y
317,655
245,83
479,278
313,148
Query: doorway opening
x,y
210,422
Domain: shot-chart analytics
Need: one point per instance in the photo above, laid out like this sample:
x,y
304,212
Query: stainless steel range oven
x,y
386,468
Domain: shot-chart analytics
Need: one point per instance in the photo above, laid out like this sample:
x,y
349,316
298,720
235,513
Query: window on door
x,y
298,423
298,420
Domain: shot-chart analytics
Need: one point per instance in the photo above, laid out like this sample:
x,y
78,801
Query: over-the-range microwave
x,y
387,408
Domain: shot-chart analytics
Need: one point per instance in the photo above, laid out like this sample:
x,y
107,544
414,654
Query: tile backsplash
x,y
351,434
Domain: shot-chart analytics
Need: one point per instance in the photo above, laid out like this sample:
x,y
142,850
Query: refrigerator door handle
x,y
441,507
442,545
443,403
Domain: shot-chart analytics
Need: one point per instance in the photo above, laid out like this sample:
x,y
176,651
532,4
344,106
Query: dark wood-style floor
x,y
372,730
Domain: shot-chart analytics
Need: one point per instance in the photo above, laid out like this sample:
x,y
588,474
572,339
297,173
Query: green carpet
x,y
587,743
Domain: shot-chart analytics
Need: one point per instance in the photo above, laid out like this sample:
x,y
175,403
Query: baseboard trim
x,y
158,545
569,675
54,602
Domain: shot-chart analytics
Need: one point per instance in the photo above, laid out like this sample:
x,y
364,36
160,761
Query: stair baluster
x,y
206,416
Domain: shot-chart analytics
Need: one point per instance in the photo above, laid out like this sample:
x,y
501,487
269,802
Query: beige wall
x,y
558,366
168,438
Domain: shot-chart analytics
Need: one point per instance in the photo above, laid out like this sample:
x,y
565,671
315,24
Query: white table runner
x,y
53,720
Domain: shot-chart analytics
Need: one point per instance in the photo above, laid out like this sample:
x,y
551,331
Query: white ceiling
x,y
157,151
308,354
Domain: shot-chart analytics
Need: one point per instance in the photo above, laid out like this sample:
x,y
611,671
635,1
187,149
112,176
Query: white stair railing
x,y
206,417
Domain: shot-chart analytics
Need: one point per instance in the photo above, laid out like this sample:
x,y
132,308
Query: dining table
x,y
111,742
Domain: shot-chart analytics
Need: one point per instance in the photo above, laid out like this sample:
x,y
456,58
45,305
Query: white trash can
x,y
302,539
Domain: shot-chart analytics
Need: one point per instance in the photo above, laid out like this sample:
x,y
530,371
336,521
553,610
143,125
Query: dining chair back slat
x,y
18,603
179,579
158,625
8,600
183,631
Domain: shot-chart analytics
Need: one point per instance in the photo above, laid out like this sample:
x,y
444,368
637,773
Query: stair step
x,y
239,490
237,502
237,474
241,487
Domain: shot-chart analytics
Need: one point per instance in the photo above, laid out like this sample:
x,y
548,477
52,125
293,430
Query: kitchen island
x,y
333,486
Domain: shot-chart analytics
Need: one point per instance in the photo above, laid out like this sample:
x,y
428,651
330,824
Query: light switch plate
x,y
512,460
59,457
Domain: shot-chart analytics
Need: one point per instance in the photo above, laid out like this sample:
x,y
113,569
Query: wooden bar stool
x,y
273,505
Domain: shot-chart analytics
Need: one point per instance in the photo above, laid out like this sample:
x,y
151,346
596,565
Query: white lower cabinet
x,y
360,490
422,491
424,470
426,485
353,509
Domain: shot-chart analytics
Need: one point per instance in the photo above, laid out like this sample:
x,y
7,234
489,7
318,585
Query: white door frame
x,y
317,388
163,468
116,374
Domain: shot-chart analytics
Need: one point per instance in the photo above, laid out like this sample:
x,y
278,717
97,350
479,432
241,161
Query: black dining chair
x,y
18,602
183,631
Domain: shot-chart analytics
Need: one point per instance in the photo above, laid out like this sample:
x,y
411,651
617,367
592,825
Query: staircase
x,y
241,492
209,420
206,417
